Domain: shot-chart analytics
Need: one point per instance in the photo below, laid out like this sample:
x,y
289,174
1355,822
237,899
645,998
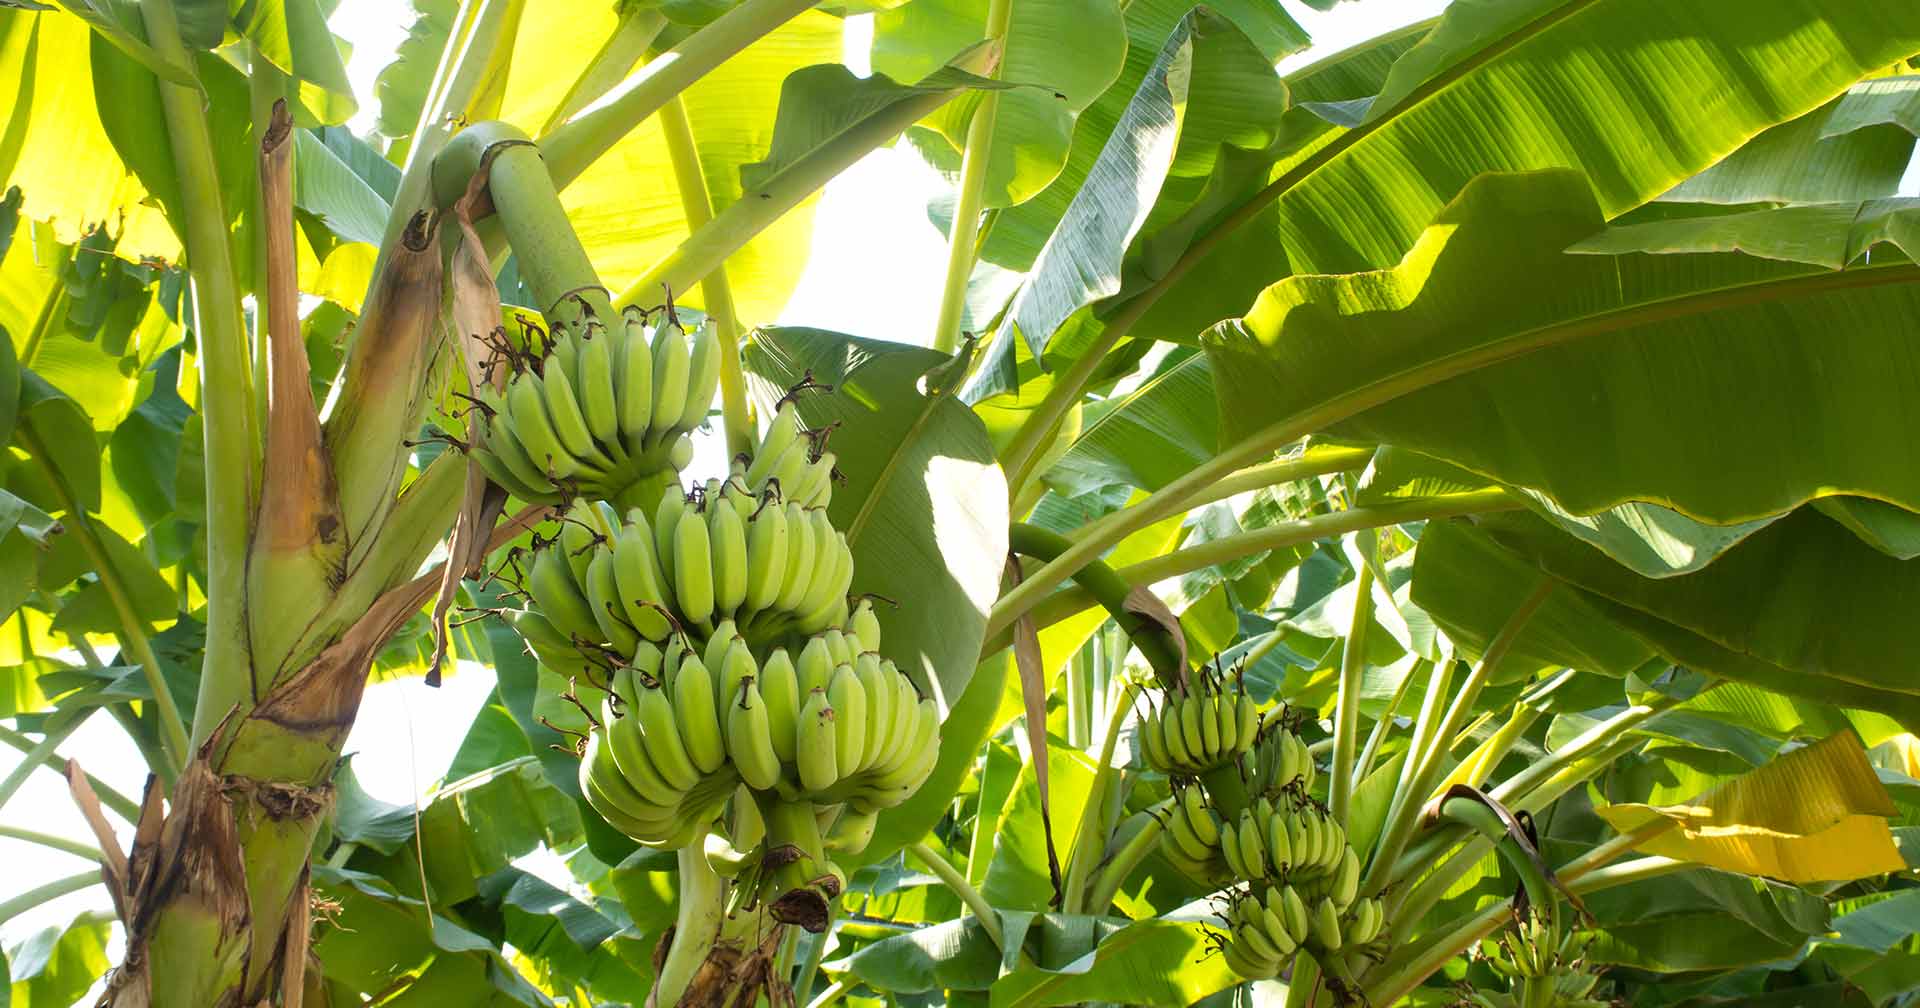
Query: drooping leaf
x,y
1808,160
1814,814
924,506
293,36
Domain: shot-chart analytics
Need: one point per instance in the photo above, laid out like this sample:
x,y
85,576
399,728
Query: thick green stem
x,y
133,631
1090,839
226,385
50,891
594,132
696,202
1322,460
1110,590
1481,818
954,880
74,847
695,925
1346,714
115,802
964,231
1626,872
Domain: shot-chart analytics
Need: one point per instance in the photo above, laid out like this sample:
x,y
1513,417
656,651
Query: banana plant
x,y
1424,526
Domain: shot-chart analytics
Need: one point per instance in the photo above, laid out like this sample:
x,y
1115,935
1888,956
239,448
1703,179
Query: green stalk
x,y
954,880
1381,727
226,387
639,25
464,64
695,924
1090,838
1586,743
832,993
696,202
1480,818
1486,757
74,847
809,970
133,632
1637,870
964,231
1106,882
706,248
1110,590
1424,762
118,803
50,891
39,753
1346,718
1324,460
1304,984
587,136
1078,553
1037,431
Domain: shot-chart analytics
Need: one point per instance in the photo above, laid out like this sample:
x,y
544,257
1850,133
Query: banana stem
x,y
638,27
226,386
74,847
832,993
1112,875
133,632
1424,765
1346,720
1111,591
964,231
118,803
695,924
696,202
50,891
1090,839
1378,736
954,880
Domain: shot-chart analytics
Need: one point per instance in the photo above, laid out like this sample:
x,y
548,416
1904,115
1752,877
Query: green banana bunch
x,y
1278,763
1294,840
1192,836
600,414
791,458
1265,927
1200,730
656,766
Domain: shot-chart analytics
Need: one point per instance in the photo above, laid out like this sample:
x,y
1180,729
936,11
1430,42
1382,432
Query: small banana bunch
x,y
1266,925
655,766
1192,835
599,414
1203,729
1543,968
1295,840
1278,763
608,583
842,725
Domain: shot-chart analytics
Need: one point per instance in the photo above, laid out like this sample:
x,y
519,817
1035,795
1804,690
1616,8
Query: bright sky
x,y
876,271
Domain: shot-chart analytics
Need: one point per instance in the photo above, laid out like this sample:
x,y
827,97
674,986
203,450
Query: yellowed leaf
x,y
1816,814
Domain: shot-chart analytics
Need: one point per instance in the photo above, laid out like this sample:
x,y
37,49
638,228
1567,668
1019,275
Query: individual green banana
x,y
630,754
703,376
693,569
1366,922
1293,910
780,689
782,432
727,537
634,380
802,556
725,635
1237,958
569,422
1247,716
1206,711
672,366
1206,824
603,599
598,400
864,626
666,523
879,716
555,593
1326,925
1174,739
1279,842
1275,927
737,664
1253,933
849,700
840,646
698,713
1181,832
816,743
637,579
659,733
815,665
767,540
750,739
852,832
1192,734
1252,850
1346,878
816,487
1153,745
528,416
